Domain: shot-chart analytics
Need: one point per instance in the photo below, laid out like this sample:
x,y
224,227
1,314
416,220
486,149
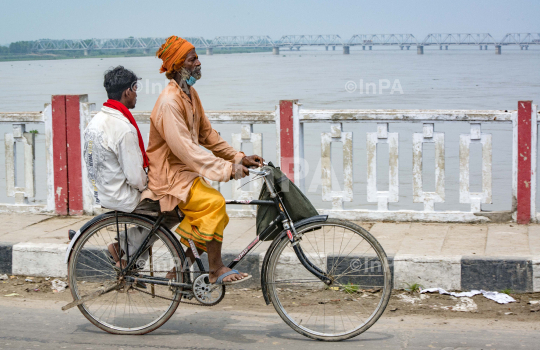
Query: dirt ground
x,y
526,308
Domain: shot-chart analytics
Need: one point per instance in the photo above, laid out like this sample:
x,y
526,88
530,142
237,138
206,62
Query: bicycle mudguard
x,y
297,225
84,228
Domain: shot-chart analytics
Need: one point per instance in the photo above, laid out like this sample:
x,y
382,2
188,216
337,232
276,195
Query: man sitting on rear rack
x,y
114,154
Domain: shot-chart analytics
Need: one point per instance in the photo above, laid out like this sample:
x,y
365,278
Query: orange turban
x,y
173,53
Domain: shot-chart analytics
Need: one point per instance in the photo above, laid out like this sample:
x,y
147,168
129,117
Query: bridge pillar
x,y
363,47
146,51
446,47
480,47
86,52
209,51
291,48
370,47
326,47
345,50
333,48
497,49
440,47
298,48
485,47
521,47
526,47
408,47
401,47
420,49
275,50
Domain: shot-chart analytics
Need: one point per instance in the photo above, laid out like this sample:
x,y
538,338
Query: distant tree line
x,y
19,47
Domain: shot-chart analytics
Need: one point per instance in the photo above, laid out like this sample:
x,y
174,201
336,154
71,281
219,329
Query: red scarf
x,y
120,107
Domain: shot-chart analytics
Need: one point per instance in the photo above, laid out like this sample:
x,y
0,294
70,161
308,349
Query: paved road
x,y
41,325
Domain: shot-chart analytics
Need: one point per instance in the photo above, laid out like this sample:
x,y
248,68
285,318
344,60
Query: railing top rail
x,y
259,117
405,115
28,117
307,115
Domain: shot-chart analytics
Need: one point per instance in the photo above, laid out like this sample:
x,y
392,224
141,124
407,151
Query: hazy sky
x,y
30,20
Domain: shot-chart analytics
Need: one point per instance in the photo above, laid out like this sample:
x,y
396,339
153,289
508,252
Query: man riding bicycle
x,y
178,127
115,158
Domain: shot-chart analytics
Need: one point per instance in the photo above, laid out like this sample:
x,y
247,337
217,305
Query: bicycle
x,y
320,288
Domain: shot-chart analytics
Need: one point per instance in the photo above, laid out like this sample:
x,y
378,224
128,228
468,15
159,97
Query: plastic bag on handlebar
x,y
296,203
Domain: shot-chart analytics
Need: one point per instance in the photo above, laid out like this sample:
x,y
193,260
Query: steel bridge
x,y
524,40
109,44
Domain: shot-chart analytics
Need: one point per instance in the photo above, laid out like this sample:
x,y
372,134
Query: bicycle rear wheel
x,y
129,308
355,263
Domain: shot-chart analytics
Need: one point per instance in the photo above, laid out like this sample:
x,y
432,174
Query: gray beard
x,y
185,74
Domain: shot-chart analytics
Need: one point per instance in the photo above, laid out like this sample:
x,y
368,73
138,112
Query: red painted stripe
x,y
286,137
60,154
74,161
524,162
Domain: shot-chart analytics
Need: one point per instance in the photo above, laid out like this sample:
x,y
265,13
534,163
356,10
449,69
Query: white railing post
x,y
534,152
419,196
245,136
346,195
373,138
298,134
47,119
465,140
28,140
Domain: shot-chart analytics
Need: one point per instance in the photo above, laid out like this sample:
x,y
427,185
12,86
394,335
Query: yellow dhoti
x,y
205,215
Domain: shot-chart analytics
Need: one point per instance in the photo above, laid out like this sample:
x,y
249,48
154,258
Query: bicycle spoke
x,y
351,260
129,309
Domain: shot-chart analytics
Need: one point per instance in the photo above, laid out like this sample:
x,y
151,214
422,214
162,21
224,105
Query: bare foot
x,y
171,274
114,250
124,264
231,278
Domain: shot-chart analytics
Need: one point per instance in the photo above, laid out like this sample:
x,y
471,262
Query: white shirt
x,y
114,161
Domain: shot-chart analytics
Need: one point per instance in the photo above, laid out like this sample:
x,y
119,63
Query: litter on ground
x,y
58,285
410,299
465,305
500,298
3,277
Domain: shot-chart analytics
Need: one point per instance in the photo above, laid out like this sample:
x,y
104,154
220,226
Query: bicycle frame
x,y
282,217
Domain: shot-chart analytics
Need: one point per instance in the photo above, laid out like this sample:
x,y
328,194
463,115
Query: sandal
x,y
232,272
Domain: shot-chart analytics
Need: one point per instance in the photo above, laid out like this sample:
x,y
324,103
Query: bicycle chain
x,y
159,296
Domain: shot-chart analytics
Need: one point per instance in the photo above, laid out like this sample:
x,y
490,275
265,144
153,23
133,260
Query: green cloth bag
x,y
296,203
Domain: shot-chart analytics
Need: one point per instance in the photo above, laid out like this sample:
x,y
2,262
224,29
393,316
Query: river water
x,y
460,78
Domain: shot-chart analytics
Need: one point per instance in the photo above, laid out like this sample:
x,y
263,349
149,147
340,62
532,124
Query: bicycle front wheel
x,y
127,308
356,264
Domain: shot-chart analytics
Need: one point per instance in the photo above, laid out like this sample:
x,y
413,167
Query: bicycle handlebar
x,y
257,172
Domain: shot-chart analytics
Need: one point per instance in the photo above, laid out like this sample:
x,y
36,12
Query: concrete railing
x,y
22,191
67,116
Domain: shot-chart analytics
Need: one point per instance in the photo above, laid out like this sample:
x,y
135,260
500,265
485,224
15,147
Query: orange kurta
x,y
178,127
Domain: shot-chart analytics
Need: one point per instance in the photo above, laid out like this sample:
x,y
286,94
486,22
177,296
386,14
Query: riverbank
x,y
106,54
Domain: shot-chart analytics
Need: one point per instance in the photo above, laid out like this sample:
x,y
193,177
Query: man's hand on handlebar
x,y
253,161
239,171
